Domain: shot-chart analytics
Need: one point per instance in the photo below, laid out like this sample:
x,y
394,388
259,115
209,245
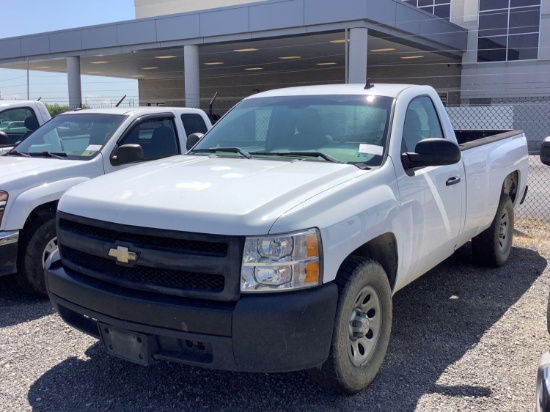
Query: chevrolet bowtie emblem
x,y
123,255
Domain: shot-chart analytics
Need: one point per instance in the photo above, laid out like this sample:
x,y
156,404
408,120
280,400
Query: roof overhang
x,y
278,28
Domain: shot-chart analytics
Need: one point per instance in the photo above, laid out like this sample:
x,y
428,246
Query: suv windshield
x,y
75,136
343,128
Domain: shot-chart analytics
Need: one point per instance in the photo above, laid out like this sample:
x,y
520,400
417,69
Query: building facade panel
x,y
219,23
32,45
276,15
99,37
382,15
136,32
10,48
334,11
178,27
65,41
406,18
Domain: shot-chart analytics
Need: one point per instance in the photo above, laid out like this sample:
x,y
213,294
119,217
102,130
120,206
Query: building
x,y
471,51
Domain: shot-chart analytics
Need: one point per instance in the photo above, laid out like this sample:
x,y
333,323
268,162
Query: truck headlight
x,y
3,203
281,262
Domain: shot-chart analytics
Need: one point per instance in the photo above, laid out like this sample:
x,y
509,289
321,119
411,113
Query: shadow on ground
x,y
437,320
13,297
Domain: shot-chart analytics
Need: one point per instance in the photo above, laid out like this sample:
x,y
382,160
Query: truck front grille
x,y
161,261
106,269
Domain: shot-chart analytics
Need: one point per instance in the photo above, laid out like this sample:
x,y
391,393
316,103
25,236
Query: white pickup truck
x,y
19,118
70,149
276,243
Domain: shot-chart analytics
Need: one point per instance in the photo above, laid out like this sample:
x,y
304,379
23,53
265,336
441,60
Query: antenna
x,y
120,101
369,85
213,117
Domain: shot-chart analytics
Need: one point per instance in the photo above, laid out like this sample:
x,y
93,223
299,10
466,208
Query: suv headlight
x,y
3,203
281,262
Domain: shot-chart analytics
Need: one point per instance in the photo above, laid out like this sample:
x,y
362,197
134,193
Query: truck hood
x,y
22,173
231,196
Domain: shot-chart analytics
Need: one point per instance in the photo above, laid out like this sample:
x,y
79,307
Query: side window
x,y
18,123
193,123
421,122
157,137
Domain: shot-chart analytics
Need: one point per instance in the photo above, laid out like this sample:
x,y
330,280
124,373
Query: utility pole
x,y
28,88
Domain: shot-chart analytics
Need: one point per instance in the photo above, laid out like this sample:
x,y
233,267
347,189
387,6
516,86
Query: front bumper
x,y
8,252
276,332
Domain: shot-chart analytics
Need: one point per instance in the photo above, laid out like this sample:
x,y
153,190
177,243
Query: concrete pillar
x,y
358,47
192,78
73,79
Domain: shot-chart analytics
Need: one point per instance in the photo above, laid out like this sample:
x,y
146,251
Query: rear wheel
x,y
492,247
362,328
39,241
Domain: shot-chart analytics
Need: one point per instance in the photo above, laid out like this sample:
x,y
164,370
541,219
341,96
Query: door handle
x,y
452,180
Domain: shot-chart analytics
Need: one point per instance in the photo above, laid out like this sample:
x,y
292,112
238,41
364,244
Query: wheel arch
x,y
510,186
40,211
382,249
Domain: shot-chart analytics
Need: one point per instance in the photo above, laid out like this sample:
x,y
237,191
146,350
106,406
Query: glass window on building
x,y
508,30
441,8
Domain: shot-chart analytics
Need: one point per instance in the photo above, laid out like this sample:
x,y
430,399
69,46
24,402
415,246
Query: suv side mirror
x,y
545,151
193,139
432,152
127,153
4,138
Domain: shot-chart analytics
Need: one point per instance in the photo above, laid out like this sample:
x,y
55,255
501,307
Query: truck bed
x,y
469,138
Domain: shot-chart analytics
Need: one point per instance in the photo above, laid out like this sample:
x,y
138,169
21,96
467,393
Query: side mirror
x,y
432,152
127,153
193,139
545,151
4,138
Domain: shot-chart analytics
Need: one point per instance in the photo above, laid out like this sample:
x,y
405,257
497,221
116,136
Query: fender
x,y
348,215
29,200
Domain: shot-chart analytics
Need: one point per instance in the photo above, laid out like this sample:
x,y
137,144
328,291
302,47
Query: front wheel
x,y
492,247
38,242
361,330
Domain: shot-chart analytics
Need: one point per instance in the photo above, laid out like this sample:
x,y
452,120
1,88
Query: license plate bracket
x,y
129,345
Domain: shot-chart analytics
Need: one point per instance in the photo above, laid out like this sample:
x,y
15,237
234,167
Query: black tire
x,y
354,360
37,243
492,247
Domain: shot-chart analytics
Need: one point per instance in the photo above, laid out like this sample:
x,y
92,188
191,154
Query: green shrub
x,y
55,109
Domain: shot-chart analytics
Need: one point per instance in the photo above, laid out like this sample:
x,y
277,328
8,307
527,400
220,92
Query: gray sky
x,y
36,16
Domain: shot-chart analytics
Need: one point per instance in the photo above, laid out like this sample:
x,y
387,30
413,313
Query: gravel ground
x,y
464,338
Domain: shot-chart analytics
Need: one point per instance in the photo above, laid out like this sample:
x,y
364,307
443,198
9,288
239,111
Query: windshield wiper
x,y
16,153
300,154
57,155
242,152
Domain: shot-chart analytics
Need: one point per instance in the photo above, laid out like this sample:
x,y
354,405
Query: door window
x,y
18,123
157,137
421,122
193,123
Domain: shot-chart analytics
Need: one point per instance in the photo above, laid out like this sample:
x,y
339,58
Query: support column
x,y
358,47
192,78
73,80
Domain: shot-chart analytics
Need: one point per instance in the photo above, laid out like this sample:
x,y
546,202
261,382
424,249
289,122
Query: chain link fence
x,y
533,117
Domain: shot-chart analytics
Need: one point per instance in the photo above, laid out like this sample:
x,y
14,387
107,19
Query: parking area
x,y
464,338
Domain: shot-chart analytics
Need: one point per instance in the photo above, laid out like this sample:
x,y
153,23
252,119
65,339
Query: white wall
x,y
152,8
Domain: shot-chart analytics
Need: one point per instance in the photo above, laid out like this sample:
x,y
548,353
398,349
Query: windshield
x,y
75,136
344,128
